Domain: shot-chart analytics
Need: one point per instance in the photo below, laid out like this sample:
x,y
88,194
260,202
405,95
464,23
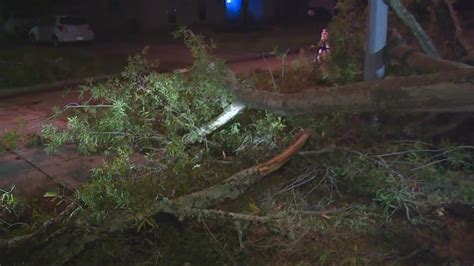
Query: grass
x,y
30,65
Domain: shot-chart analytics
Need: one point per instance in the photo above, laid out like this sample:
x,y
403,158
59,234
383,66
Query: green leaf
x,y
51,194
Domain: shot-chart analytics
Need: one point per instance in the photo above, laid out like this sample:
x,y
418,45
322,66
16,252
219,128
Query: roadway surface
x,y
34,172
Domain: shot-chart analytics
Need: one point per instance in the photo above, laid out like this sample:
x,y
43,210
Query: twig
x,y
218,242
429,164
301,180
275,87
76,105
405,152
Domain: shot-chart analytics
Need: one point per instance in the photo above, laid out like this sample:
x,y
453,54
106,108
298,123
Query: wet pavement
x,y
30,169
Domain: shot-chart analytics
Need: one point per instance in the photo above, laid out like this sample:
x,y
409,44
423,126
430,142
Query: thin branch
x,y
76,105
405,152
275,87
429,164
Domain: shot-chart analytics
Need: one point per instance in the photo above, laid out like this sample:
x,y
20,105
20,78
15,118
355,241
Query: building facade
x,y
148,15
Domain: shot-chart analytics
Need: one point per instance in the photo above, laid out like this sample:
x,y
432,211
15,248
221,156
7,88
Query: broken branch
x,y
240,182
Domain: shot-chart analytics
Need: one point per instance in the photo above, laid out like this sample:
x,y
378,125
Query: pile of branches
x,y
444,86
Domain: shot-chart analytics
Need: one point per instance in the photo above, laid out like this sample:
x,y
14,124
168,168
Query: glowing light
x,y
256,9
233,8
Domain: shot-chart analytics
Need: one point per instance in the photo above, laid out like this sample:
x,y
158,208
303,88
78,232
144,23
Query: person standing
x,y
324,47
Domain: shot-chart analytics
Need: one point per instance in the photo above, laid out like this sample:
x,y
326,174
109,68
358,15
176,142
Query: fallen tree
x,y
440,92
460,36
418,61
452,90
191,205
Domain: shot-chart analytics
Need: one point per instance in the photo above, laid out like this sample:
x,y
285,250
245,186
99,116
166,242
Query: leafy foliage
x,y
8,201
9,139
347,42
152,115
145,124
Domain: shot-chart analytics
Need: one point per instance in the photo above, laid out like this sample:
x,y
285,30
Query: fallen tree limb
x,y
469,58
419,62
222,215
412,24
458,29
240,182
232,216
441,92
79,235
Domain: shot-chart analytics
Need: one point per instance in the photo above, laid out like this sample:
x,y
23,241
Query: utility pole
x,y
377,40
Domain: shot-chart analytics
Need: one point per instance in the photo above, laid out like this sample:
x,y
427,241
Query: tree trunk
x,y
457,25
441,92
469,58
411,23
417,61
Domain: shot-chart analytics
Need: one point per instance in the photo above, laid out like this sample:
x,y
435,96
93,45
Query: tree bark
x,y
440,92
457,25
469,58
412,24
240,182
418,61
77,237
229,113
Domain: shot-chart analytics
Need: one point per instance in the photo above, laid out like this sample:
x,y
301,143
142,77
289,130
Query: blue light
x,y
233,8
256,9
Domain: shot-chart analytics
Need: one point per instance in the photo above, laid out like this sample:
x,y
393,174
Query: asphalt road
x,y
34,172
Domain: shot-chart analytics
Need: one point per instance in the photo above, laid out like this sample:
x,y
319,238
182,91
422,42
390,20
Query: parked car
x,y
61,29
